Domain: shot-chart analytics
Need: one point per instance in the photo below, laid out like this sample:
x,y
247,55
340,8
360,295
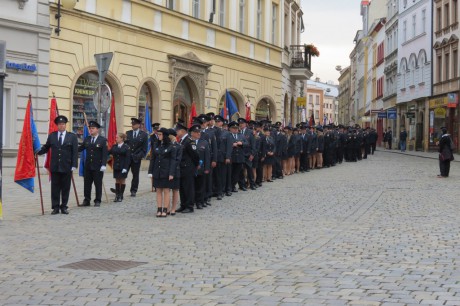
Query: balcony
x,y
300,63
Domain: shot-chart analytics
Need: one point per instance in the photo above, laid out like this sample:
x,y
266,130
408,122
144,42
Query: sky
x,y
331,26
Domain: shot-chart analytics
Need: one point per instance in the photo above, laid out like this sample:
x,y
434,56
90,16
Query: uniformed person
x,y
201,174
137,141
249,153
64,157
121,155
224,156
207,128
188,165
95,164
238,158
154,137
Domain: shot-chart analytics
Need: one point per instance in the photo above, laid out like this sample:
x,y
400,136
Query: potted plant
x,y
312,50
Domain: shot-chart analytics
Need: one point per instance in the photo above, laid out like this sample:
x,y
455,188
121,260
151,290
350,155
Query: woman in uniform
x,y
268,155
121,155
163,169
175,184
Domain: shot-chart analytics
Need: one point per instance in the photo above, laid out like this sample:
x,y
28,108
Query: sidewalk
x,y
430,155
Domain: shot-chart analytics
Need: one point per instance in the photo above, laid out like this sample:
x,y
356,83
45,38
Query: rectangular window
x,y
446,15
170,4
438,19
274,19
423,21
222,13
196,8
454,11
455,64
259,18
242,16
310,99
439,68
446,64
404,31
317,100
414,25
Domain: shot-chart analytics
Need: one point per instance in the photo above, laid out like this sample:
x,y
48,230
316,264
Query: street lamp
x,y
67,4
2,78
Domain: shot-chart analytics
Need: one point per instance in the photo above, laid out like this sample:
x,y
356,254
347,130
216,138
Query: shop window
x,y
83,94
145,99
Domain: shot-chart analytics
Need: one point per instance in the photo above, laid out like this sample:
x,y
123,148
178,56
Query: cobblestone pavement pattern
x,y
384,231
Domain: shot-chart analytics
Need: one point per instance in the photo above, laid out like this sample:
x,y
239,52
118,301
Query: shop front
x,y
443,113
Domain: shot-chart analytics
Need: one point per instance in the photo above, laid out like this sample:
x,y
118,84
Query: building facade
x,y
24,25
167,55
344,97
322,101
414,76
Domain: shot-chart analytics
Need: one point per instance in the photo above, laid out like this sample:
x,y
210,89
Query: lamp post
x,y
67,4
2,78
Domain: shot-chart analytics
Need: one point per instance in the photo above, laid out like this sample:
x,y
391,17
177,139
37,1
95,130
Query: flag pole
x,y
75,189
40,184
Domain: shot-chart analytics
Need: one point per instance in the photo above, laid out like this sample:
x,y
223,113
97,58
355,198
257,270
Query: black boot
x,y
122,190
117,193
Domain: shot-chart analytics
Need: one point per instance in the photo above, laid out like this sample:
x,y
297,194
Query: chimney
x,y
317,80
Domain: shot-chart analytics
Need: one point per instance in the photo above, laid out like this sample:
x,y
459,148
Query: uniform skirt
x,y
269,160
118,175
162,183
175,184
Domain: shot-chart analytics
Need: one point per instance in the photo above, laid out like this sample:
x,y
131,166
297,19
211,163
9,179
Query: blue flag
x,y
148,125
229,107
81,169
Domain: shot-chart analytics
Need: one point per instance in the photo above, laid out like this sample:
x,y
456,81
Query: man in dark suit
x,y
201,174
137,140
64,157
95,164
188,165
238,159
249,154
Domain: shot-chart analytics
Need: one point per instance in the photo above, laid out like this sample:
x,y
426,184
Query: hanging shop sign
x,y
21,66
437,102
440,112
410,115
452,100
391,113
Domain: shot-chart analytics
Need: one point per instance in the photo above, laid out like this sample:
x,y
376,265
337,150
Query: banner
x,y
52,127
112,131
148,126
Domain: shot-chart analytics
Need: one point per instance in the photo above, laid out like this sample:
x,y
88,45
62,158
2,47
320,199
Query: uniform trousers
x,y
340,154
200,188
444,167
304,162
260,172
242,181
228,181
93,176
135,169
220,178
236,171
373,145
187,188
60,189
208,182
278,169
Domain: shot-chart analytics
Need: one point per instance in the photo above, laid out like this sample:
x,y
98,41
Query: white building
x,y
414,72
24,25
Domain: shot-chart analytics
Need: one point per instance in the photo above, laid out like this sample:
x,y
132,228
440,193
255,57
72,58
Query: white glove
x,y
150,175
73,169
103,168
124,171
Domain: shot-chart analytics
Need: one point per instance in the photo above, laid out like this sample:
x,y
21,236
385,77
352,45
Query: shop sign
x,y
437,102
366,119
391,113
21,66
382,115
85,87
452,100
440,112
431,122
302,101
410,115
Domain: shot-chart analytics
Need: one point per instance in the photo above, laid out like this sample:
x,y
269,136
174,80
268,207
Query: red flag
x,y
192,114
112,132
248,111
52,128
25,164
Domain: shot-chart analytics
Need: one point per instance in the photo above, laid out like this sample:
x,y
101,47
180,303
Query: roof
x,y
333,89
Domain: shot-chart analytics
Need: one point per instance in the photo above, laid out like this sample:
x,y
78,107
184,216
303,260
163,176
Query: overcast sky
x,y
331,26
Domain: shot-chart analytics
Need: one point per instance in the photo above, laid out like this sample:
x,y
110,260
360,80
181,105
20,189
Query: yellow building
x,y
167,54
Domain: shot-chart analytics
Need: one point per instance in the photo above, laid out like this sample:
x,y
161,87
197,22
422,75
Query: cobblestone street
x,y
383,231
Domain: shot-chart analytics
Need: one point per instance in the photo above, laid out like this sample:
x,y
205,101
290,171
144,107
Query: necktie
x,y
93,139
234,136
60,138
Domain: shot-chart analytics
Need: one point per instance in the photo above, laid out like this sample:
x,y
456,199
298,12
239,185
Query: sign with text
x,y
452,100
410,115
391,113
302,101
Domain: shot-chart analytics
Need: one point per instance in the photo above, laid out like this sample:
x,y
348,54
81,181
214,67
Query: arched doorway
x,y
293,119
419,139
149,96
265,109
286,114
239,104
83,106
184,94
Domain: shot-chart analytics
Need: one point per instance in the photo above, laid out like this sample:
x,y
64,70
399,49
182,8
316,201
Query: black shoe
x,y
208,202
228,194
133,194
253,188
85,203
97,204
234,190
64,211
219,197
55,212
113,190
181,209
203,205
280,177
198,206
187,211
243,188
